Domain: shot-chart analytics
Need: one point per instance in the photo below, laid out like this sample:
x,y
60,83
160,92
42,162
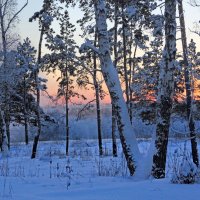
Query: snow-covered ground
x,y
83,175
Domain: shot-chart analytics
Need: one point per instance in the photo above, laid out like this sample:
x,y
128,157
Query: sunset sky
x,y
30,30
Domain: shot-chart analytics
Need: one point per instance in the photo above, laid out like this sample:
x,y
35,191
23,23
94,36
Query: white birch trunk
x,y
127,136
5,65
165,91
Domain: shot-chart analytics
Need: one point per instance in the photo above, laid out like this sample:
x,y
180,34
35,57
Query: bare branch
x,y
4,6
86,106
15,15
196,29
54,100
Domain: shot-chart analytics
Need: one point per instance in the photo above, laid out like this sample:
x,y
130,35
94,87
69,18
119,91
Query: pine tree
x,y
64,59
45,17
88,28
26,63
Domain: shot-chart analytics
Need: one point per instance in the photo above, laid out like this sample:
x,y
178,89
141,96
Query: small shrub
x,y
111,167
184,170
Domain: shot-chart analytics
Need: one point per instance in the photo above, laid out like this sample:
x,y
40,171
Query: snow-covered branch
x,y
15,15
88,45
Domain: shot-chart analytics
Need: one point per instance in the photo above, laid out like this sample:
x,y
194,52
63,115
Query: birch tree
x,y
89,77
92,68
165,91
63,58
8,17
128,139
115,49
26,63
188,86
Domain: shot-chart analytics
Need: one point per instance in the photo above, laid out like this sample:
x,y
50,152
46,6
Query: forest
x,y
124,121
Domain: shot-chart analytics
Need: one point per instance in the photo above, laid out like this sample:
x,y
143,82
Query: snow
x,y
144,167
98,190
131,11
83,175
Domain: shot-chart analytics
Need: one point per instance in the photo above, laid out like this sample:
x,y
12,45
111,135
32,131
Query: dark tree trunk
x,y
67,128
124,32
3,137
132,68
1,131
114,114
25,114
7,122
36,139
114,131
99,120
188,85
35,144
165,91
98,109
26,130
67,113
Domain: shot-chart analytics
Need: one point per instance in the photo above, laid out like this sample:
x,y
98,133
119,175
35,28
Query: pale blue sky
x,y
26,28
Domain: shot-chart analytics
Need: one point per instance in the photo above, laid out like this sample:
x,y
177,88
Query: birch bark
x,y
165,91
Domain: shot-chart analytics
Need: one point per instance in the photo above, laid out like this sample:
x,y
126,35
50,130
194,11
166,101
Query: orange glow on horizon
x,y
52,88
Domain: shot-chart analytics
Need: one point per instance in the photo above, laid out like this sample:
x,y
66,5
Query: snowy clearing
x,y
83,176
